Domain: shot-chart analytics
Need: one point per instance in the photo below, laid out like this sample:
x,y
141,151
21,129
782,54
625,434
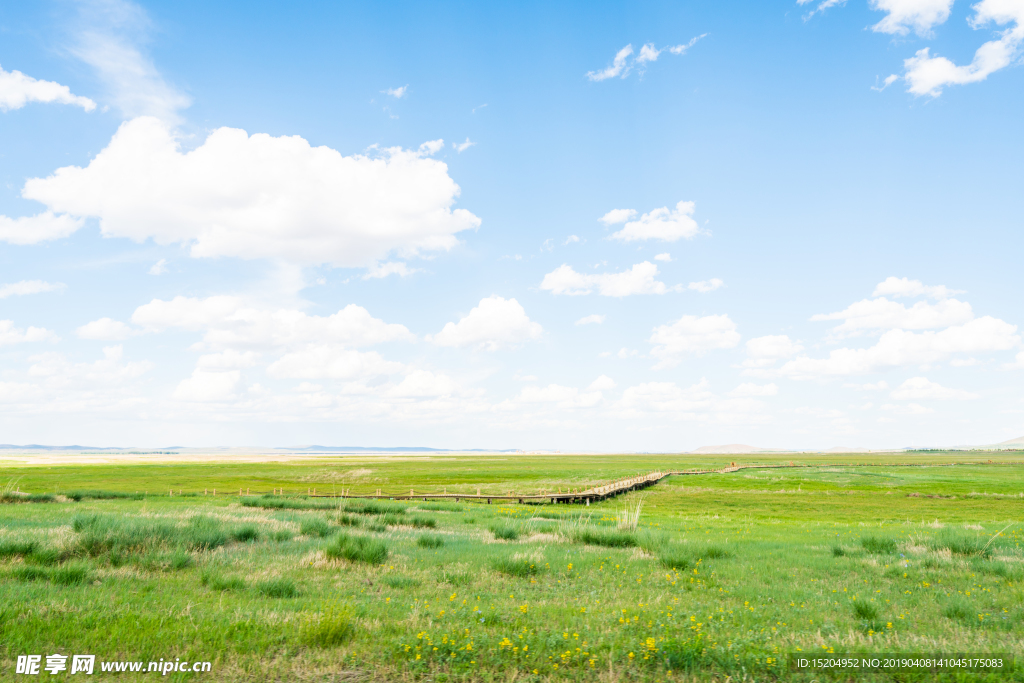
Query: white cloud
x,y
425,384
602,383
696,403
661,224
617,67
637,280
9,334
897,348
461,147
105,329
29,287
382,270
773,346
397,93
228,322
920,388
56,372
648,53
681,49
882,314
663,257
889,80
331,362
881,385
692,335
493,324
626,353
928,75
229,359
1018,363
253,197
108,35
909,409
563,397
208,386
595,319
705,286
904,16
571,239
749,389
158,268
905,287
616,216
38,228
621,65
17,90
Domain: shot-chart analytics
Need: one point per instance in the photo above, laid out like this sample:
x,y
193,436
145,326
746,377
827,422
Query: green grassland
x,y
725,576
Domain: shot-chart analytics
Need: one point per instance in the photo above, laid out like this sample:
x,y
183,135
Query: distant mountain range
x,y
737,448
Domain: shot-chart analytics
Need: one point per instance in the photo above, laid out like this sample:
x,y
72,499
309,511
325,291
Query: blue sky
x,y
588,226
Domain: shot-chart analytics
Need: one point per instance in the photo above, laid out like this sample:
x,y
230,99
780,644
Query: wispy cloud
x,y
461,147
622,65
29,287
397,93
109,36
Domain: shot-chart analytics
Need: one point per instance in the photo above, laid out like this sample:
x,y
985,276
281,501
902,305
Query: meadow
x,y
702,577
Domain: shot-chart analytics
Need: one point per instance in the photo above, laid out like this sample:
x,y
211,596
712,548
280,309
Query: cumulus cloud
x,y
158,268
207,386
616,216
899,347
773,347
905,287
594,319
29,287
908,409
1018,363
903,16
108,35
692,335
105,329
425,384
705,286
663,224
229,359
562,397
252,197
750,389
696,403
917,388
228,322
17,90
41,227
602,383
9,334
926,74
882,314
323,361
663,257
640,279
494,323
397,93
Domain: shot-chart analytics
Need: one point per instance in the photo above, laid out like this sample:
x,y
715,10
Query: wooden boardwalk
x,y
611,489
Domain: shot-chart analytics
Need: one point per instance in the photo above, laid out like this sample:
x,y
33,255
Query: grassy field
x,y
724,577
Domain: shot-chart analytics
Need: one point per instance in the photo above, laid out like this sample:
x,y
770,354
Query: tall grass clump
x,y
96,494
245,533
277,503
606,538
99,534
331,628
513,566
358,549
430,541
961,544
314,526
423,522
865,610
373,507
878,546
69,575
505,532
958,610
217,582
628,519
17,548
347,520
277,588
440,507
